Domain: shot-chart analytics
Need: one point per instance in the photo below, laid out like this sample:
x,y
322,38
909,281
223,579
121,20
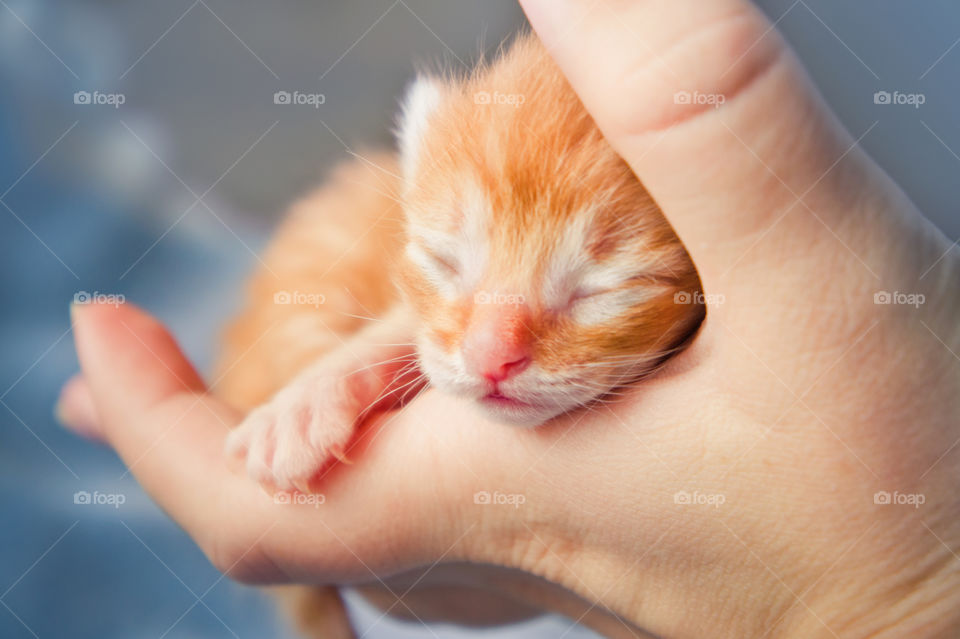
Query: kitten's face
x,y
542,273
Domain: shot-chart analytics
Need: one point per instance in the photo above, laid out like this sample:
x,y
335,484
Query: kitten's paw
x,y
285,442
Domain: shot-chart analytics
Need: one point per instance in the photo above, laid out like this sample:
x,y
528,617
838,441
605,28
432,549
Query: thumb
x,y
712,111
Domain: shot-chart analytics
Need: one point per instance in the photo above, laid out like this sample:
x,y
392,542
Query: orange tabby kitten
x,y
535,275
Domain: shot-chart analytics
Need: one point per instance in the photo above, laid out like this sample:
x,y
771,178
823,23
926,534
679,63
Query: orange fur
x,y
336,242
538,164
534,170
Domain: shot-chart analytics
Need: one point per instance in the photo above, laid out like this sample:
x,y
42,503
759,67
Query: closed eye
x,y
642,281
594,306
444,264
435,265
582,294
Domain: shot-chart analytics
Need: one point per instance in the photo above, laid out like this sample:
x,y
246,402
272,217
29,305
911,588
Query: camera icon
x,y
682,497
682,97
81,297
282,498
482,497
482,97
881,498
282,297
882,297
682,297
281,97
82,497
81,97
482,297
882,97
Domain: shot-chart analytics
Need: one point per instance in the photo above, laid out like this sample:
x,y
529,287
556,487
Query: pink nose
x,y
497,342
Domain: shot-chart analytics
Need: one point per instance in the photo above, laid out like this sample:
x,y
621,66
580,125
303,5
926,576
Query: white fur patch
x,y
422,99
568,262
573,274
466,248
446,283
474,245
605,307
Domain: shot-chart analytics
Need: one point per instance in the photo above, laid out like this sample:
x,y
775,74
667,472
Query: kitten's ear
x,y
422,99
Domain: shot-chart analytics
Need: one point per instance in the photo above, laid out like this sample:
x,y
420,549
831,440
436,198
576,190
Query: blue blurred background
x,y
166,197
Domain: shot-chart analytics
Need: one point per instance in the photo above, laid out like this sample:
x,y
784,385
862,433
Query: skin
x,y
798,401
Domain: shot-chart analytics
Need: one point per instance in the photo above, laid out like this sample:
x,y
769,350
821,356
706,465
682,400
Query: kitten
x,y
535,274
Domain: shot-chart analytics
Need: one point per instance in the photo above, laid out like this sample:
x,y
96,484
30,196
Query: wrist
x,y
684,583
906,605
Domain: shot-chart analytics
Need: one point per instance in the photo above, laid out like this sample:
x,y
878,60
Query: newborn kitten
x,y
535,274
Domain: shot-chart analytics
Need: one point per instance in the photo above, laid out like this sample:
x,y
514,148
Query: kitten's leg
x,y
311,421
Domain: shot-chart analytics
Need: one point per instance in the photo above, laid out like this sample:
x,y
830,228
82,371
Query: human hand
x,y
806,392
798,401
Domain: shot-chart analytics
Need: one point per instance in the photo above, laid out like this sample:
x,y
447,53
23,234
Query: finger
x,y
76,410
150,407
153,411
119,344
653,72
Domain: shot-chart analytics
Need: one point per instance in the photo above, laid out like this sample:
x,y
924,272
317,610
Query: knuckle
x,y
233,558
706,67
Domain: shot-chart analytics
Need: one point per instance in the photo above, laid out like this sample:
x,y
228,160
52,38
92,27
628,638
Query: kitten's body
x,y
536,275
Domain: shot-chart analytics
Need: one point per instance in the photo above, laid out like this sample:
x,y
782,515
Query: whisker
x,y
360,317
421,389
399,358
390,390
391,387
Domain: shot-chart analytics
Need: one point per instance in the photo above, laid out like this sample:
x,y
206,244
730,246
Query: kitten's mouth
x,y
499,399
510,410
